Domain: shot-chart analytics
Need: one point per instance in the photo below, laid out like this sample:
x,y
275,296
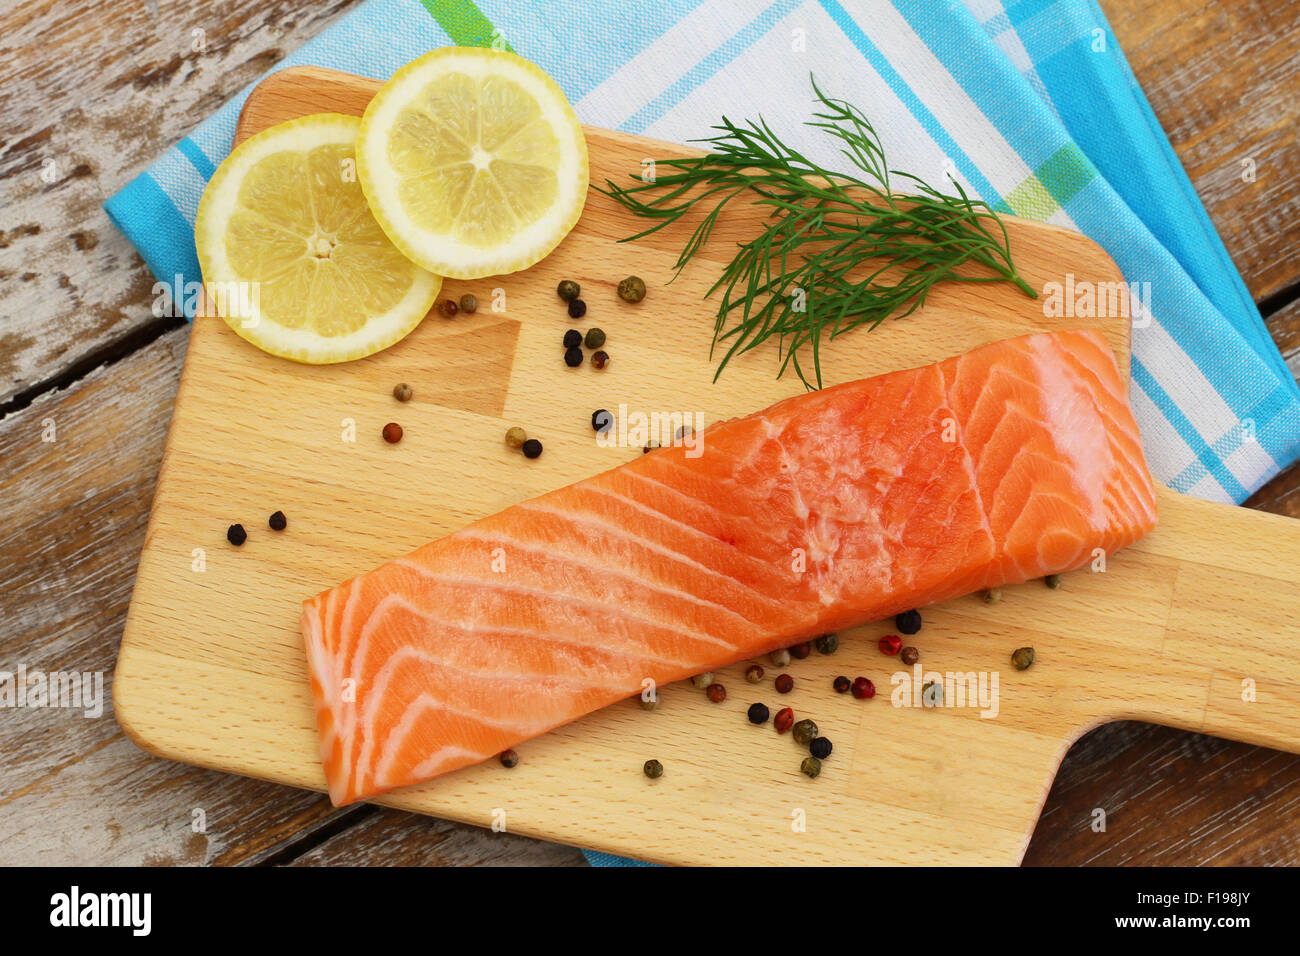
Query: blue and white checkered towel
x,y
1028,104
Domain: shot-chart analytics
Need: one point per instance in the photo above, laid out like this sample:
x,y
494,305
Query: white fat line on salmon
x,y
74,908
637,429
923,688
68,689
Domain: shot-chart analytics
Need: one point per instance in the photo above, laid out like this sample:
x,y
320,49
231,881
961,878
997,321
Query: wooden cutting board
x,y
212,670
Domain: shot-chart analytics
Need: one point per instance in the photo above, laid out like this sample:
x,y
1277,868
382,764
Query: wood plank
x,y
94,92
1170,799
1224,80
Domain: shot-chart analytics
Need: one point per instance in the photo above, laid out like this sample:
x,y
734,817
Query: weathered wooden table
x,y
93,92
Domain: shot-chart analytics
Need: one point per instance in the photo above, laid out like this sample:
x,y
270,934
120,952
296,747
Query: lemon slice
x,y
473,162
292,258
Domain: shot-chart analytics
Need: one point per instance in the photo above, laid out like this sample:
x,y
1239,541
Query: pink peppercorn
x,y
784,720
863,689
890,644
784,684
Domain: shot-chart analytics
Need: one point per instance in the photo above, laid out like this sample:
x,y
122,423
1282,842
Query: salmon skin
x,y
827,510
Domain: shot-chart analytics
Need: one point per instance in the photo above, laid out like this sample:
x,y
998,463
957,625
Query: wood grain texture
x,y
94,92
1224,81
212,670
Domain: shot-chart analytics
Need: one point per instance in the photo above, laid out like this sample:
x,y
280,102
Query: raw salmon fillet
x,y
827,510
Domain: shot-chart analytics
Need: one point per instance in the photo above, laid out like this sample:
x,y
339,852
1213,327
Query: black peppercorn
x,y
573,357
842,685
577,309
508,758
820,748
601,420
572,339
758,713
532,448
236,534
278,521
909,622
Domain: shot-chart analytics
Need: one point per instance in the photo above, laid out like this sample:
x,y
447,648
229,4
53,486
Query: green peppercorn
x,y
1053,581
804,731
992,595
1022,657
468,304
810,767
402,392
931,694
568,290
508,759
595,338
631,289
447,308
702,680
653,769
780,658
515,437
754,673
827,644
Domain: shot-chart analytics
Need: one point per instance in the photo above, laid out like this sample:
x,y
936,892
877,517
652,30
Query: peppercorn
x,y
910,655
717,693
278,521
801,651
841,685
515,437
992,595
653,769
631,289
601,420
827,644
810,767
1022,657
532,448
447,308
863,689
568,290
508,758
392,433
909,622
402,392
599,359
646,449
595,338
820,747
702,680
783,720
754,673
890,644
572,339
573,357
779,658
577,309
804,732
468,304
757,713
682,433
784,684
1053,581
236,534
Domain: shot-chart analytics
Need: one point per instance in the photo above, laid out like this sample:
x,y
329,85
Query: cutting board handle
x,y
1228,662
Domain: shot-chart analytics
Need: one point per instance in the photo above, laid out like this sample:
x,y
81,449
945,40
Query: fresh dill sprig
x,y
836,251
